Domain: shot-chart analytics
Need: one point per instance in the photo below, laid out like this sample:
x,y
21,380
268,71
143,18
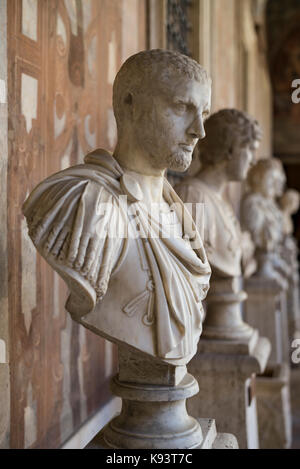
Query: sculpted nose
x,y
196,129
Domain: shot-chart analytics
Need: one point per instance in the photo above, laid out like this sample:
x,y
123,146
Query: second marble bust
x,y
141,290
226,155
262,217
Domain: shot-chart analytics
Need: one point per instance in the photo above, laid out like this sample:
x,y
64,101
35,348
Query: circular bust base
x,y
224,318
242,332
154,417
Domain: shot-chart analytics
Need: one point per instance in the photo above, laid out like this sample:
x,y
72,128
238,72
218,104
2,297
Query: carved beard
x,y
156,142
179,161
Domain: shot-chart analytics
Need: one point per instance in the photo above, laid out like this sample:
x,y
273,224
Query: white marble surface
x,y
154,279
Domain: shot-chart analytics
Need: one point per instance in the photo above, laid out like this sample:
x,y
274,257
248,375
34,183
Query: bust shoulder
x,y
70,217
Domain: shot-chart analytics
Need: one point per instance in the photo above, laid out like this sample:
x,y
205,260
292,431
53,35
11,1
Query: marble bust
x,y
289,204
226,155
91,221
262,217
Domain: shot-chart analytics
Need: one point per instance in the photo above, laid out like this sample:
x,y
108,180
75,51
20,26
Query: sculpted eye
x,y
181,107
205,115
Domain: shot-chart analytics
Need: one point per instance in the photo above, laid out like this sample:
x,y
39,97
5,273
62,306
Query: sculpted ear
x,y
134,106
128,99
129,107
229,153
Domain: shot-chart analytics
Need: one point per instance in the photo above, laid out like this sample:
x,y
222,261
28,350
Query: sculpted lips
x,y
186,147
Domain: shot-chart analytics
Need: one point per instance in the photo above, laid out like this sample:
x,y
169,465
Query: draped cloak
x,y
222,234
78,238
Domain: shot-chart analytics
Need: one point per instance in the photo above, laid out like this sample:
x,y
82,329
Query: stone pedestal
x,y
265,309
210,438
290,254
293,307
223,313
154,414
226,371
271,266
273,408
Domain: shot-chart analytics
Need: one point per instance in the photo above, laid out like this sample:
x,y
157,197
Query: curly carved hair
x,y
152,65
223,130
291,200
260,169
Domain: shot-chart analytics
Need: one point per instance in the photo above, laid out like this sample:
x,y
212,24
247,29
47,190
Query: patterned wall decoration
x,y
4,316
178,25
178,32
284,59
63,56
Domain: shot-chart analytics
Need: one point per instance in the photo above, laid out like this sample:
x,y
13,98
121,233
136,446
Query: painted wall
x,y
284,59
239,67
227,38
63,56
4,334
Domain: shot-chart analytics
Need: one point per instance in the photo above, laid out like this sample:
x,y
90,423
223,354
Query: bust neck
x,y
131,156
151,186
214,177
135,161
264,194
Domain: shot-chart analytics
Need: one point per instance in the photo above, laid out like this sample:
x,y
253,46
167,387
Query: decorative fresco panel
x,y
63,55
29,18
